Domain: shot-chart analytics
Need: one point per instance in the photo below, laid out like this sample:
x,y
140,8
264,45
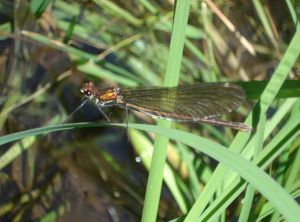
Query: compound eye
x,y
87,92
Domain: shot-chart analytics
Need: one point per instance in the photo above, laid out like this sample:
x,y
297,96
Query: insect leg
x,y
72,114
103,114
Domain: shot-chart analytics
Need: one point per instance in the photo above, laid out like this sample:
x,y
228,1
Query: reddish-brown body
x,y
201,102
106,95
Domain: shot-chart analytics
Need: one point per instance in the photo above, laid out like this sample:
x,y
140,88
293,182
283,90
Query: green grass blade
x,y
44,130
118,11
250,191
144,147
270,152
265,184
264,19
38,7
293,13
253,89
160,145
241,139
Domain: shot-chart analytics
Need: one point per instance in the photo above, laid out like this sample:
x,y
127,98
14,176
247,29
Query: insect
x,y
201,102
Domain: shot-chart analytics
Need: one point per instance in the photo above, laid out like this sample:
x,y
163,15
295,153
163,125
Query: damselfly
x,y
201,102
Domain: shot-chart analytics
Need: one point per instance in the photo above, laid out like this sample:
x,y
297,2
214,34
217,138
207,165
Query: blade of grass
x,y
291,178
265,184
285,136
38,7
87,60
253,89
250,191
93,69
118,11
293,172
264,20
16,150
154,183
246,169
149,6
44,130
241,139
193,178
144,147
293,13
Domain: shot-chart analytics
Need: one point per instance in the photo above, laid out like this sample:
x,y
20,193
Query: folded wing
x,y
185,103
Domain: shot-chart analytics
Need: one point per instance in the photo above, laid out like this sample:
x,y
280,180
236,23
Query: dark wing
x,y
185,103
